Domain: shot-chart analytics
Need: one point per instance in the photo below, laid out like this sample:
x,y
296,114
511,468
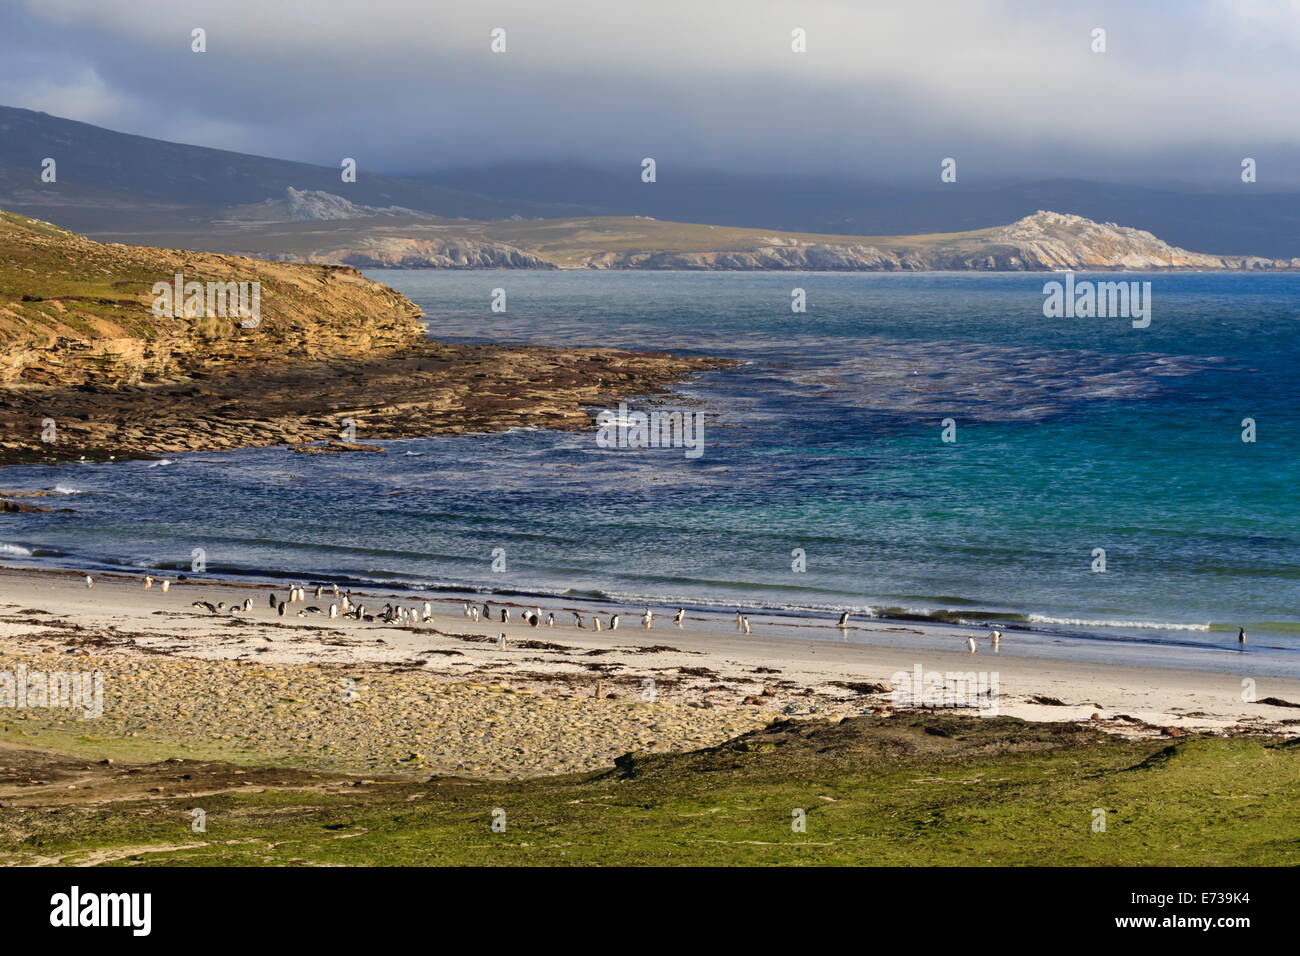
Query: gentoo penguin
x,y
206,605
745,624
473,614
501,641
535,619
577,618
334,611
505,615
270,598
550,619
465,608
166,586
319,589
595,619
90,582
148,582
648,619
428,611
844,620
970,645
613,622
996,637
740,622
679,616
248,604
1241,636
336,590
280,608
487,612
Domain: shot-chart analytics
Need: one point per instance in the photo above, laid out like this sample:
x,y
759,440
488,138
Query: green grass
x,y
896,791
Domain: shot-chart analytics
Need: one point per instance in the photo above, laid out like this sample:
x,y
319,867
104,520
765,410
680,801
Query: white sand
x,y
1183,700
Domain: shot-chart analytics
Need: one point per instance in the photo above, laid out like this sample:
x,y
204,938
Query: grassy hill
x,y
74,310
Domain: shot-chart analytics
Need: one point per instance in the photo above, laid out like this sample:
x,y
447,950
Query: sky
x,y
885,90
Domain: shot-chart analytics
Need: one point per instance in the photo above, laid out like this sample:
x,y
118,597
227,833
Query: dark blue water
x,y
1072,435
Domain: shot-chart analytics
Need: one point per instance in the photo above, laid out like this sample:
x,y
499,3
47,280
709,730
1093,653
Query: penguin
x,y
996,637
970,645
679,616
148,582
505,615
206,605
334,611
280,608
90,582
248,604
745,624
1241,636
319,589
740,622
613,622
550,619
844,620
166,586
577,618
428,611
487,612
473,613
270,598
648,619
501,641
595,619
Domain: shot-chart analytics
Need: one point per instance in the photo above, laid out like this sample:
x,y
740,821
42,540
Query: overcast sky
x,y
1185,89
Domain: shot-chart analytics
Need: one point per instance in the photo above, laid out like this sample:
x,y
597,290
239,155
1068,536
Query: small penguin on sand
x,y
744,623
1241,636
970,645
577,618
595,618
334,611
270,599
996,637
550,619
280,608
679,616
90,582
648,619
166,586
613,622
844,620
148,582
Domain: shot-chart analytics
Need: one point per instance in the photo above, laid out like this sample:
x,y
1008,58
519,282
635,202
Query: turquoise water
x,y
1072,435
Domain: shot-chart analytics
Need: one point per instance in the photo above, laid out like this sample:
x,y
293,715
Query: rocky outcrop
x,y
395,252
1043,241
88,370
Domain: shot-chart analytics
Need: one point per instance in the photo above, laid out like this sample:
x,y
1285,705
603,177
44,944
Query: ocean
x,y
823,481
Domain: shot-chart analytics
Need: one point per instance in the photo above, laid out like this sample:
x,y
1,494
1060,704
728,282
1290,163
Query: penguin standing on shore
x,y
334,611
280,608
613,622
550,619
595,619
148,582
271,600
166,586
679,616
1241,637
844,621
996,637
90,582
744,623
248,604
648,619
970,644
505,615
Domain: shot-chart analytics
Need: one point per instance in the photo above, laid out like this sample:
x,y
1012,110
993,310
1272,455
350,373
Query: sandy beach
x,y
445,696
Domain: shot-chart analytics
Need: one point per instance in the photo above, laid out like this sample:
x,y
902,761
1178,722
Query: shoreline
x,y
442,695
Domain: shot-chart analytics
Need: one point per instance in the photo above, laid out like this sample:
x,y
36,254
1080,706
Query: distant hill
x,y
108,179
1241,218
1041,241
